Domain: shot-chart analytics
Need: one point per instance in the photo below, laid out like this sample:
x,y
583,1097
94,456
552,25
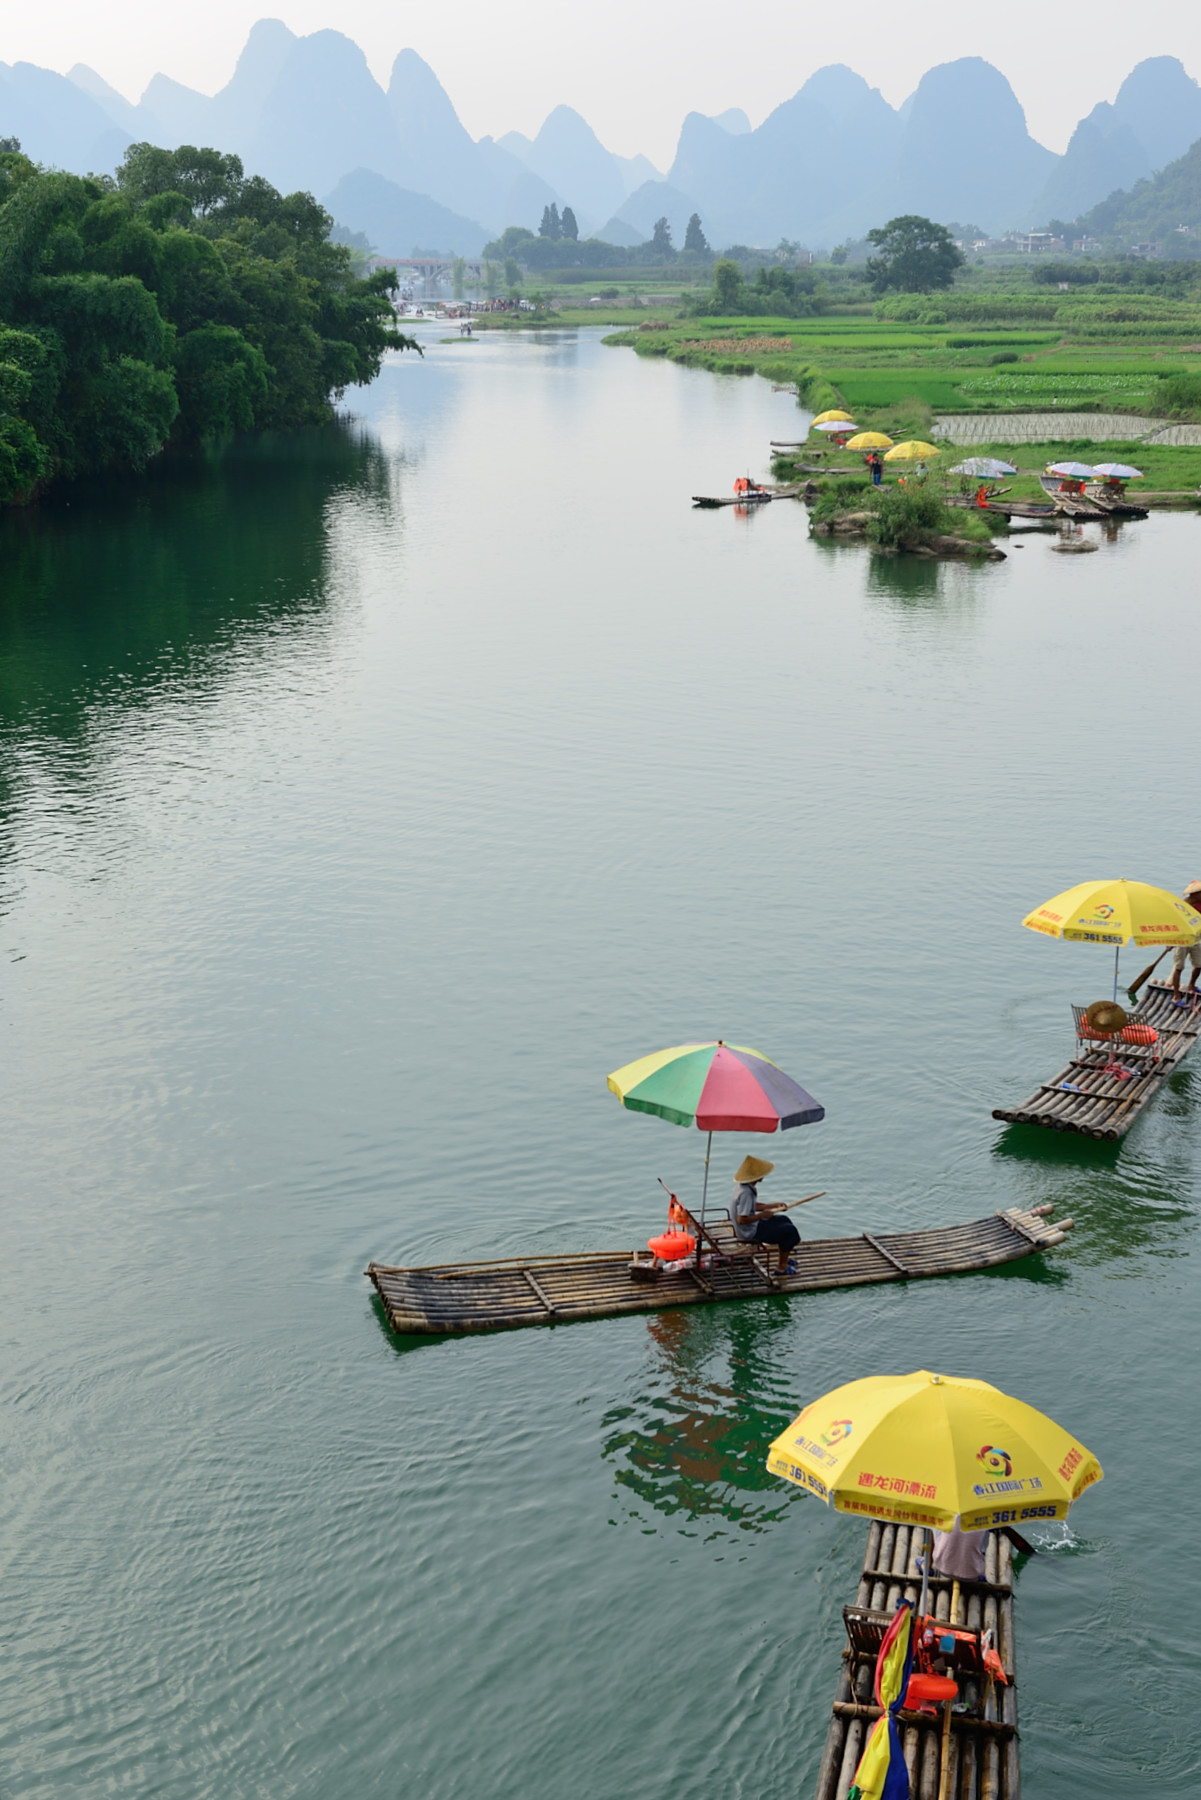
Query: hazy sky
x,y
635,67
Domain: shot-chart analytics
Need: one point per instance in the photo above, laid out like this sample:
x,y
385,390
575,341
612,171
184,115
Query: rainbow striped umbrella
x,y
716,1087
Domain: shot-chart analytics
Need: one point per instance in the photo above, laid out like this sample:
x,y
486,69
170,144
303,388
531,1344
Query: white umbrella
x,y
1119,472
838,425
1073,471
989,466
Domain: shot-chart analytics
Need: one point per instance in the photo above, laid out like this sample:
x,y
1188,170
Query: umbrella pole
x,y
705,1188
1117,953
927,1553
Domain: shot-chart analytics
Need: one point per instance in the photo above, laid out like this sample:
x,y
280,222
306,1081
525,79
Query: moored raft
x,y
981,1741
1088,1097
546,1290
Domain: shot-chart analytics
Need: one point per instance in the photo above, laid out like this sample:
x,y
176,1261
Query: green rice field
x,y
1100,358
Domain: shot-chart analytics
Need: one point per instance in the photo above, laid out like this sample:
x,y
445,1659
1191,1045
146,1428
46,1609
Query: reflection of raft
x,y
546,1290
1089,1097
982,1747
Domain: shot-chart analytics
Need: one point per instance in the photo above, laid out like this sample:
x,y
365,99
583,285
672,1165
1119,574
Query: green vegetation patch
x,y
181,302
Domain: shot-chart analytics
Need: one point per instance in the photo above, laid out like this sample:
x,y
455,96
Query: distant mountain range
x,y
826,165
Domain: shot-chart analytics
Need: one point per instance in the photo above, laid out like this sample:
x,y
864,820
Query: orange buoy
x,y
672,1245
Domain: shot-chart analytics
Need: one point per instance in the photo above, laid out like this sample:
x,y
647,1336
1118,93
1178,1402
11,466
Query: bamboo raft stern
x,y
1087,1097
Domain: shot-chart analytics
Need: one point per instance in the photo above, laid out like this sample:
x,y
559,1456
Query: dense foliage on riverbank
x,y
181,302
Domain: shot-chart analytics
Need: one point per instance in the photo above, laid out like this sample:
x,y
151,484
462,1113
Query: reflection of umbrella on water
x,y
1114,912
717,1087
691,1442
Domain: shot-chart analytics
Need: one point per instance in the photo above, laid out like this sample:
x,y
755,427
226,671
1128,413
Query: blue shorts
x,y
779,1231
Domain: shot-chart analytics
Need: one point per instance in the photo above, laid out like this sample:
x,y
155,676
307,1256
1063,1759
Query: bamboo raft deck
x,y
548,1290
1089,505
982,1752
1083,1098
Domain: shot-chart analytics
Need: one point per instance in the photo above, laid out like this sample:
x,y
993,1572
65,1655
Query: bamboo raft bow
x,y
1089,1097
548,1290
969,1749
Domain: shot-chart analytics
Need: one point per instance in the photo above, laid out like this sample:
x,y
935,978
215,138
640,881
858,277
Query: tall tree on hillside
x,y
916,255
661,242
568,226
694,237
552,225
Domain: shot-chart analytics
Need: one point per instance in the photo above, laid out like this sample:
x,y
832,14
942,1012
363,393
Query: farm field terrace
x,y
1086,363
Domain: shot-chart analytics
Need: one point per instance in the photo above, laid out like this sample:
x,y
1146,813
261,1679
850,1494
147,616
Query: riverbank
x,y
900,375
1171,474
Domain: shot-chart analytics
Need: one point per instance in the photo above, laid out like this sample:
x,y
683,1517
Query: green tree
x,y
661,244
552,225
568,227
512,273
916,256
727,284
491,282
458,276
694,237
509,242
184,301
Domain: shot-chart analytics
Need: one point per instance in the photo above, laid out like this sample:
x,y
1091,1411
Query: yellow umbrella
x,y
921,1448
913,450
824,418
868,440
1117,912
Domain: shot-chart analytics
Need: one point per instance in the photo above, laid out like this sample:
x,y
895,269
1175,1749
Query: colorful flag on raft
x,y
882,1774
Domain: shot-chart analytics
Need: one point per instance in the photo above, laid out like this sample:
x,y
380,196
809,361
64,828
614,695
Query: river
x,y
366,795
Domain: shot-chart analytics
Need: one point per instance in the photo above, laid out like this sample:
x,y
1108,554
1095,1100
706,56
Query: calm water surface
x,y
366,797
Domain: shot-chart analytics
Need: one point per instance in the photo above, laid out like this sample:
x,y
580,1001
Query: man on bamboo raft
x,y
960,1553
759,1221
1192,894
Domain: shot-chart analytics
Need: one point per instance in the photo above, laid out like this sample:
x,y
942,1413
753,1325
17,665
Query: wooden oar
x,y
1132,990
788,1206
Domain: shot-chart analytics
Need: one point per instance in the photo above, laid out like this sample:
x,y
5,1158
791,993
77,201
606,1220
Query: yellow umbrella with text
x,y
1117,912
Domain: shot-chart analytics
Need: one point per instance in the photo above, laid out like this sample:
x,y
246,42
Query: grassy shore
x,y
898,375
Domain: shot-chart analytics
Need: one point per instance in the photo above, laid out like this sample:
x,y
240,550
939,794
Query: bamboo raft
x,y
1083,1097
551,1290
982,1741
756,497
1090,505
